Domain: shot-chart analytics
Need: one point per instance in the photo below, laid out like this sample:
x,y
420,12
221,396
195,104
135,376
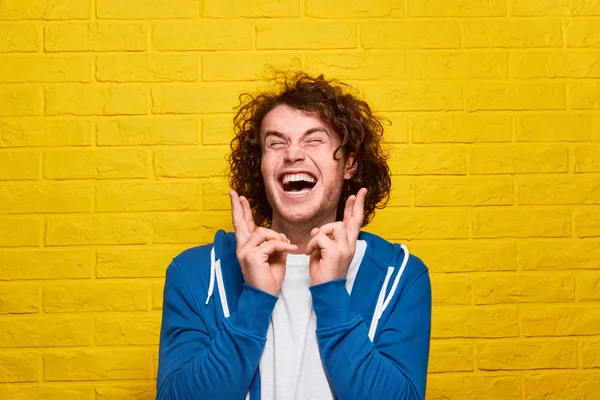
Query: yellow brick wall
x,y
115,118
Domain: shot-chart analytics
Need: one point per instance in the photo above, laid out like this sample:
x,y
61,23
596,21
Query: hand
x,y
262,252
332,246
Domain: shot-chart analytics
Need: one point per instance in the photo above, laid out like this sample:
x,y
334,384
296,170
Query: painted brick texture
x,y
115,120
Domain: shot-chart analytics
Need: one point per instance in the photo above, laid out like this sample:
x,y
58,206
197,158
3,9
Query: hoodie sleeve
x,y
395,366
192,365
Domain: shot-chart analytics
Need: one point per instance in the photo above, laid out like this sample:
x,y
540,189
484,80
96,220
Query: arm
x,y
395,367
193,365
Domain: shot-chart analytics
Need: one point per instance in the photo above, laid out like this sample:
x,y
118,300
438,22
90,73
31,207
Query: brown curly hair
x,y
359,130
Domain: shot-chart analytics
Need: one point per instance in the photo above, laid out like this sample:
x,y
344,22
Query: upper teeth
x,y
298,177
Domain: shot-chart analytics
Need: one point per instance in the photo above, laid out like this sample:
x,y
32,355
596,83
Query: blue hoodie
x,y
374,343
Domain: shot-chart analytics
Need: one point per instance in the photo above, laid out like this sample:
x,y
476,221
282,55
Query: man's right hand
x,y
261,252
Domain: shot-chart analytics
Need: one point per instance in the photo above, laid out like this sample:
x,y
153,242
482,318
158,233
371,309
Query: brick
x,y
555,8
196,98
30,68
520,223
147,196
519,159
474,322
460,8
532,288
556,127
64,231
103,36
45,9
96,296
561,385
464,191
23,198
146,131
305,35
19,298
245,67
217,129
96,164
126,392
512,34
583,33
427,160
460,387
215,195
128,330
587,158
555,64
46,392
20,100
396,131
590,353
47,332
19,366
361,66
147,68
420,224
97,365
141,9
20,231
509,355
587,223
558,189
450,289
587,286
410,35
205,35
457,65
45,264
414,96
584,96
30,132
559,320
450,357
460,128
558,255
401,192
19,165
134,262
466,256
353,9
197,228
251,9
20,37
96,99
201,162
157,294
514,96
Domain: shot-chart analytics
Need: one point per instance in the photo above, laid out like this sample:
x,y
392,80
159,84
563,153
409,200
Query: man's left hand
x,y
331,247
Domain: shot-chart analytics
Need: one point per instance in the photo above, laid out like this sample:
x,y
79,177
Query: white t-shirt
x,y
290,366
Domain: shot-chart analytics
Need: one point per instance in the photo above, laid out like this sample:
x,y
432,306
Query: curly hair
x,y
359,130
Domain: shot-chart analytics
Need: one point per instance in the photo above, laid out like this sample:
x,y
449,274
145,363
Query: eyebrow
x,y
308,132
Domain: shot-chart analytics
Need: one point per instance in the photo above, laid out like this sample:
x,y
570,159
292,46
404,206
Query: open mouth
x,y
297,184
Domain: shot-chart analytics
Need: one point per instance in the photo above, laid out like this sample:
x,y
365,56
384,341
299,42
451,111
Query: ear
x,y
350,167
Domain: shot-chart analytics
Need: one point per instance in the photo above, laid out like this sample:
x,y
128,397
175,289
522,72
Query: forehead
x,y
289,120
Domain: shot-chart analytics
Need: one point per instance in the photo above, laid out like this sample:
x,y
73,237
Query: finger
x,y
320,241
357,217
275,246
247,213
348,209
337,230
237,218
313,232
261,235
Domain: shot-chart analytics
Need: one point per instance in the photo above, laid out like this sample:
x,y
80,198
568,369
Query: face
x,y
303,180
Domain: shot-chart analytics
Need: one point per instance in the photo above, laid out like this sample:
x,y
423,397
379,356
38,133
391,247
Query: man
x,y
305,305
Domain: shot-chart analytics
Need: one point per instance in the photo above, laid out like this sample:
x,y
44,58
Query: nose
x,y
294,153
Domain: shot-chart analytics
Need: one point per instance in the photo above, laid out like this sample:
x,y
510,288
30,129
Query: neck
x,y
299,232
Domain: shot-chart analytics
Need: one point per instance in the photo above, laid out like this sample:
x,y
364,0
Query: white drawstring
x,y
381,304
213,270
